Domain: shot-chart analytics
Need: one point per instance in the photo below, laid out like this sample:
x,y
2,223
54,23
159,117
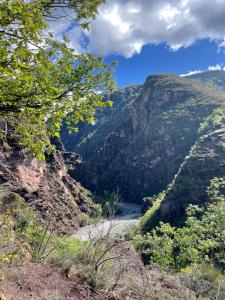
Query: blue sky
x,y
160,59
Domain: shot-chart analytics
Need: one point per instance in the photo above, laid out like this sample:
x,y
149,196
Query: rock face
x,y
140,146
205,161
46,187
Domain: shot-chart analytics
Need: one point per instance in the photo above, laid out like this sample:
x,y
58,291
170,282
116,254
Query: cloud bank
x,y
125,26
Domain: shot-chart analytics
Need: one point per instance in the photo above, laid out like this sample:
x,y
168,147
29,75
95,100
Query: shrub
x,y
15,216
150,217
12,247
202,279
84,219
110,203
45,244
98,211
200,240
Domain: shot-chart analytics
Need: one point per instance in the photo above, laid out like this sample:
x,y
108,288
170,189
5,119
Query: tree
x,y
84,10
44,81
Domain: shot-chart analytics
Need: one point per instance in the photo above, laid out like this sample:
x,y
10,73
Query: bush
x,y
98,211
84,219
15,217
110,203
150,217
91,262
44,244
12,249
200,240
214,119
202,279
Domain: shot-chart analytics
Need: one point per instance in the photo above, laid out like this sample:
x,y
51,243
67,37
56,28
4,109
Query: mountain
x,y
147,140
214,79
120,98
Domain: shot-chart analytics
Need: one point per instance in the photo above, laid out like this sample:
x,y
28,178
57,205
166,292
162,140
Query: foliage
x,y
202,279
149,217
212,120
200,240
45,244
44,80
15,206
20,236
110,203
98,211
84,10
92,262
11,248
84,219
15,216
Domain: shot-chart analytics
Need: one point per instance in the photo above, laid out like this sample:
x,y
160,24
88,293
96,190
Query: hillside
x,y
45,186
120,99
205,161
142,145
211,78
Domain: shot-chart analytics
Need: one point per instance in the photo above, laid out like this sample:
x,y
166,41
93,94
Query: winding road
x,y
119,225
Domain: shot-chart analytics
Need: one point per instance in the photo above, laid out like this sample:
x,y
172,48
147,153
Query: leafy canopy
x,y
44,81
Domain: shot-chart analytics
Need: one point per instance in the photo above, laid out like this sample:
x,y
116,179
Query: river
x,y
119,225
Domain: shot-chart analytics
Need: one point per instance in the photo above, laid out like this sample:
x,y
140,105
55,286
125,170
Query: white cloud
x,y
67,26
125,26
179,23
191,73
114,18
217,67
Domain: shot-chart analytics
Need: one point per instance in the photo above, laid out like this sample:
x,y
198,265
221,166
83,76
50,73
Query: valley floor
x,y
116,226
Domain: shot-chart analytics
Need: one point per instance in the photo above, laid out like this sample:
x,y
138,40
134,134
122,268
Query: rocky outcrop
x,y
142,144
46,187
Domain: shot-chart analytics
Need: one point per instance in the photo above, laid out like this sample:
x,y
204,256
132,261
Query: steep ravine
x,y
141,146
145,141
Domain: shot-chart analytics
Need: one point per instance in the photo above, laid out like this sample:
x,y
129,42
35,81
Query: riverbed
x,y
119,225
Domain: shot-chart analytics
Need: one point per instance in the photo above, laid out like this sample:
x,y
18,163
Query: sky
x,y
153,36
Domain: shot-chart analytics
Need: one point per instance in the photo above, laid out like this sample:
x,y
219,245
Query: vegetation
x,y
149,218
44,244
44,81
22,238
110,203
11,249
214,119
201,240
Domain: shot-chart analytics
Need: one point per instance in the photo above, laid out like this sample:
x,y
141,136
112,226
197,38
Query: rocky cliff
x,y
205,161
45,186
142,144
